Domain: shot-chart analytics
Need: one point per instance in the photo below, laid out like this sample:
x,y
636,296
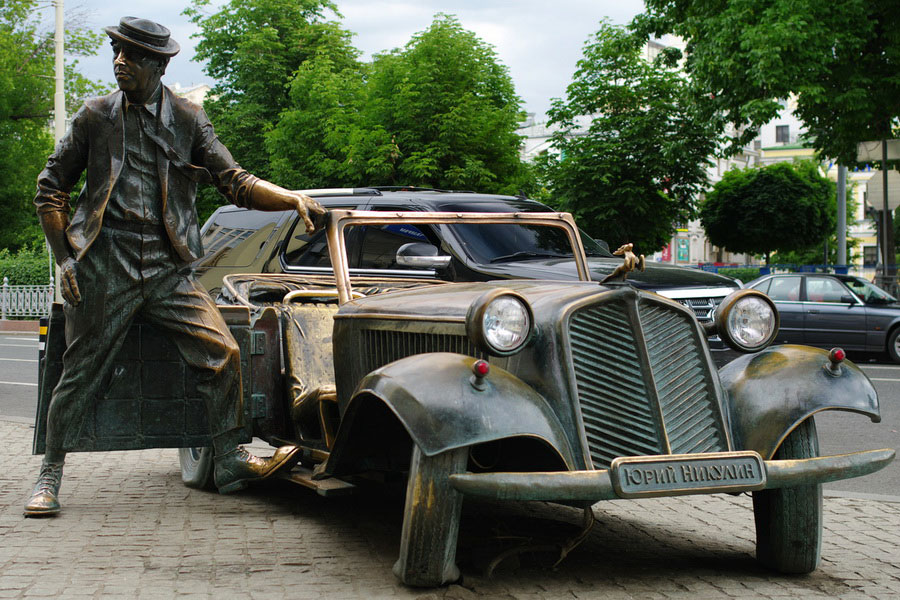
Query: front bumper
x,y
666,476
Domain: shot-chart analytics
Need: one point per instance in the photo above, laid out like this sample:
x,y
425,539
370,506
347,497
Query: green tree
x,y
784,207
26,110
312,143
841,59
252,49
450,109
632,153
440,112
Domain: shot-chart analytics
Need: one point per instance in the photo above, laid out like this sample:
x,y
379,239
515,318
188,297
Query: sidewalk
x,y
130,529
10,326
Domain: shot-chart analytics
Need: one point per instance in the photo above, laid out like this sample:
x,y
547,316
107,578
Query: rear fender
x,y
434,398
769,393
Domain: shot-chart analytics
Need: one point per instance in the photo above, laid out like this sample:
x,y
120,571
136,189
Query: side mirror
x,y
421,256
848,299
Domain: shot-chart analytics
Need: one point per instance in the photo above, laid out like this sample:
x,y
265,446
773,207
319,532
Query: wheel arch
x,y
769,394
444,411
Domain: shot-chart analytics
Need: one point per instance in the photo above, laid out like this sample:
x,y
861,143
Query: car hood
x,y
891,309
656,276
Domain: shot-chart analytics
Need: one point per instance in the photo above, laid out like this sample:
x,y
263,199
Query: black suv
x,y
246,241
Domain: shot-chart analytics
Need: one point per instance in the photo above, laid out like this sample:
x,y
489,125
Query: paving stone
x,y
129,529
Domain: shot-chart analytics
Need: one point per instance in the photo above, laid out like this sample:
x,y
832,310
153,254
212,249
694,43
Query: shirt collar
x,y
152,104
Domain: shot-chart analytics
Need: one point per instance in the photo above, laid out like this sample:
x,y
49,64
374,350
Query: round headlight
x,y
500,322
747,320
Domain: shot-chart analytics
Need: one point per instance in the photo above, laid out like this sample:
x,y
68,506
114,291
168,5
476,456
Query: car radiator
x,y
669,406
381,347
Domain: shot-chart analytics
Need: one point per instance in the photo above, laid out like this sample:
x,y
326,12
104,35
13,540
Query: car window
x,y
378,245
825,289
762,286
784,288
235,237
486,243
489,243
870,293
304,250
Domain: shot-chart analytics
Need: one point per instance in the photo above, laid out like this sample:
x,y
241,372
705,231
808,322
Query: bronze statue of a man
x,y
127,248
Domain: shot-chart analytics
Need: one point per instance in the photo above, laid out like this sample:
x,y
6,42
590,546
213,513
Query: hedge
x,y
745,274
26,267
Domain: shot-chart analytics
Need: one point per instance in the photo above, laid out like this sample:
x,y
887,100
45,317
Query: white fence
x,y
25,300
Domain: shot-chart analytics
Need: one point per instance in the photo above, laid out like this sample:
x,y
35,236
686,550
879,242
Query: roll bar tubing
x,y
338,220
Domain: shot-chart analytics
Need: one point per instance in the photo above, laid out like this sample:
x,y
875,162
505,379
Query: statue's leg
x,y
94,333
183,309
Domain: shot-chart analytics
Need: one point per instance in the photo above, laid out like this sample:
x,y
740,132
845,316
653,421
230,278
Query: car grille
x,y
704,308
630,411
382,347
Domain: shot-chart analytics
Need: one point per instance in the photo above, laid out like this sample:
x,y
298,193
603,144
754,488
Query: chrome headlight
x,y
747,320
500,322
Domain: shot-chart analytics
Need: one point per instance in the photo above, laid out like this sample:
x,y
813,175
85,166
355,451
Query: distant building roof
x,y
196,93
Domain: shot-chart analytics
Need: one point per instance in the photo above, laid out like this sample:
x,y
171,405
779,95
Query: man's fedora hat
x,y
145,34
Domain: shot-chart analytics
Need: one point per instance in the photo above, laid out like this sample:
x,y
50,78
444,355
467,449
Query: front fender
x,y
769,393
433,397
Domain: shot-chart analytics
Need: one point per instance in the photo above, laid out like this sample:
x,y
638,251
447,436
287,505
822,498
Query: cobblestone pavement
x,y
130,530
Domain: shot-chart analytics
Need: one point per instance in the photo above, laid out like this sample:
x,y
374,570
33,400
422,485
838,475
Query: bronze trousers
x,y
131,272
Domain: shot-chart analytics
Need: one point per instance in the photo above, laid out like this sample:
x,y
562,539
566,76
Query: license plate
x,y
679,474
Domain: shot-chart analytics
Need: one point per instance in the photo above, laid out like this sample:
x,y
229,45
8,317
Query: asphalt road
x,y
18,375
839,431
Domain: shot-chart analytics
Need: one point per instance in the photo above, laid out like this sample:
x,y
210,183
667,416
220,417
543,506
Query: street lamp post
x,y
59,115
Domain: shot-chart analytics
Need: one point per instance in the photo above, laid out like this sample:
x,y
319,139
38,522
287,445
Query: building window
x,y
782,134
870,256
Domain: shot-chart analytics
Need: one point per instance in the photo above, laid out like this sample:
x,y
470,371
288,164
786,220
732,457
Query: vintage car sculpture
x,y
563,391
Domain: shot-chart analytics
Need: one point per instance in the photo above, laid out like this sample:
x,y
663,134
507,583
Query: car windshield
x,y
869,292
488,243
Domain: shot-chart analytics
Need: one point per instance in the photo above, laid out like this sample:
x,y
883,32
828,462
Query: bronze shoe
x,y
237,468
44,501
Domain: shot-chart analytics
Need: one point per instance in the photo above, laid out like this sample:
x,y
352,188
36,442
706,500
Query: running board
x,y
329,487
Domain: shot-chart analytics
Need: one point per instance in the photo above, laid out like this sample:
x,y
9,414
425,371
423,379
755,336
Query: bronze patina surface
x,y
600,391
632,262
125,250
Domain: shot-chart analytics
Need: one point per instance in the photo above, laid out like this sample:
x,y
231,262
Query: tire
x,y
431,520
893,345
197,467
789,520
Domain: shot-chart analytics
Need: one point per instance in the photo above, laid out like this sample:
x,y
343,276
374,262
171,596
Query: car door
x,y
833,316
785,291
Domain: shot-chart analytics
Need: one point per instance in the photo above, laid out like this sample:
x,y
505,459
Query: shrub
x,y
745,274
25,267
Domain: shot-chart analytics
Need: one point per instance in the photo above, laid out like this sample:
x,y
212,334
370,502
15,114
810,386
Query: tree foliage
x,y
635,167
784,207
441,112
26,109
841,59
318,135
252,49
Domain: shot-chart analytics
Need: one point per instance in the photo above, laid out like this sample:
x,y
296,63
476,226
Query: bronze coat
x,y
188,152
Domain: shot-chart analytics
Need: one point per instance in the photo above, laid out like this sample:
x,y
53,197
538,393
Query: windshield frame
x,y
338,220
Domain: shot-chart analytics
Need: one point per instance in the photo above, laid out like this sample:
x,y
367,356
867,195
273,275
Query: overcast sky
x,y
539,40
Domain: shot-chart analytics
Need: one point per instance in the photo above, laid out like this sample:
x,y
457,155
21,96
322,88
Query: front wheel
x,y
431,519
789,520
893,345
197,467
